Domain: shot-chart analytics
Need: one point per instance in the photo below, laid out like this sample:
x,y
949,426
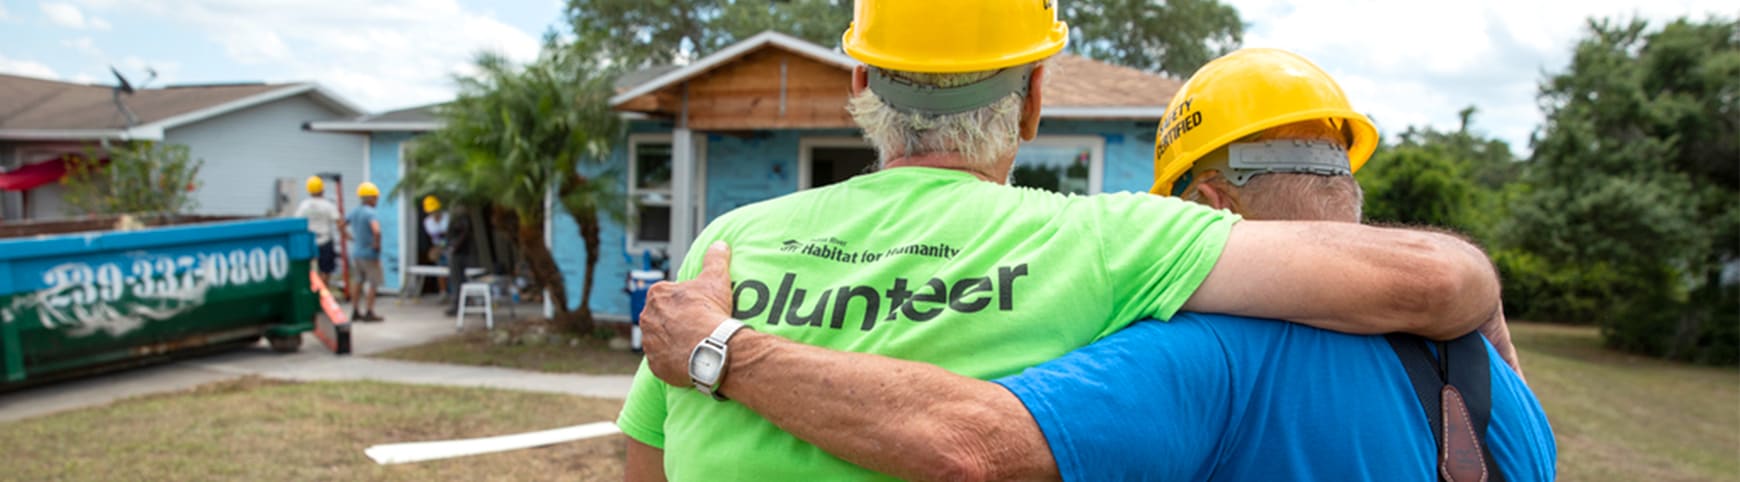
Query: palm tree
x,y
516,135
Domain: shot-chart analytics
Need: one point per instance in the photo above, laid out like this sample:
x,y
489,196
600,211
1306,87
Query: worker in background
x,y
435,224
323,220
365,252
458,254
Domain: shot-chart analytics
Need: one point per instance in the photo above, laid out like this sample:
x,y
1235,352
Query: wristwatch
x,y
707,362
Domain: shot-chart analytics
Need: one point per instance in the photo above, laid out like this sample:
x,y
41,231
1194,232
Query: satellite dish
x,y
125,87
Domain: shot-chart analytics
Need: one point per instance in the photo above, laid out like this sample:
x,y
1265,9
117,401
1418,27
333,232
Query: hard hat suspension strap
x,y
1240,161
909,97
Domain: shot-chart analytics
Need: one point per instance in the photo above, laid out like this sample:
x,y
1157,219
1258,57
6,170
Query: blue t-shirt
x,y
1211,397
362,238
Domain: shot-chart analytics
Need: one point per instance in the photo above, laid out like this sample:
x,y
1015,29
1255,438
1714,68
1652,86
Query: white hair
x,y
980,136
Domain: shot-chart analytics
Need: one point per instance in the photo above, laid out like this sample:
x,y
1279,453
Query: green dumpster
x,y
78,302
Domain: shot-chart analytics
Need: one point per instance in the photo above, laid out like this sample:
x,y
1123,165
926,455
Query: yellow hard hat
x,y
1245,93
951,36
430,204
315,185
367,189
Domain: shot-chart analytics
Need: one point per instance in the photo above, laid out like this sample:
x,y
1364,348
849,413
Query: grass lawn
x,y
255,429
593,356
1620,417
1617,417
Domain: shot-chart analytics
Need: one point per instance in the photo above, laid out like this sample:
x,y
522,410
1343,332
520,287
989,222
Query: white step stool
x,y
484,290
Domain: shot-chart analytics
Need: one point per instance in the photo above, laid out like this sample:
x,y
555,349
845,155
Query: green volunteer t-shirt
x,y
928,265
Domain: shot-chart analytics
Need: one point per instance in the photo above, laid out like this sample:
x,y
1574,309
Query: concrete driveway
x,y
408,324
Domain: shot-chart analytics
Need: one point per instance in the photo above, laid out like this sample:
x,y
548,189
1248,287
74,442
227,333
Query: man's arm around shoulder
x,y
1352,278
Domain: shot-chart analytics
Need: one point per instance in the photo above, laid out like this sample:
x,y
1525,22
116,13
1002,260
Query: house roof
x,y
410,119
1075,87
1079,87
37,109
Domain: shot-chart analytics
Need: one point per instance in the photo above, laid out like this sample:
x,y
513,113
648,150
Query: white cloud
x,y
83,45
27,68
2,12
69,16
382,54
1418,63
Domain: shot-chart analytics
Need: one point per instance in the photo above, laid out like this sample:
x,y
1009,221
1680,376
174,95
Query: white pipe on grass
x,y
421,451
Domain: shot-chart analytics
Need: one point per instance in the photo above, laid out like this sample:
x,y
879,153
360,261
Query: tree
x,y
1629,206
139,178
1172,36
642,33
1452,180
517,135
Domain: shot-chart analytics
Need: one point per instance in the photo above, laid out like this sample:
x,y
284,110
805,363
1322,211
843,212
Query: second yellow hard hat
x,y
1247,92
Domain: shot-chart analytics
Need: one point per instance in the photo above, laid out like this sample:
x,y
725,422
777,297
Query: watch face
x,y
705,364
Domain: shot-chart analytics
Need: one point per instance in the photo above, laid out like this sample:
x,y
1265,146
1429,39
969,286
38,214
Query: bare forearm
x,y
911,420
1442,287
1352,278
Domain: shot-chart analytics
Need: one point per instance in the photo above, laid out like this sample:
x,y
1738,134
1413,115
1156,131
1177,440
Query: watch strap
x,y
720,340
725,330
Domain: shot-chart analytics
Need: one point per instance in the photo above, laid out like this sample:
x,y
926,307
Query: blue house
x,y
766,117
763,118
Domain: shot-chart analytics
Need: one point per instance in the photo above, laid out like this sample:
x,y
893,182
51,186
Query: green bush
x,y
139,178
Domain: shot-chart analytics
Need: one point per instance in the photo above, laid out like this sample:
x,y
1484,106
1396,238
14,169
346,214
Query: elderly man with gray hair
x,y
933,259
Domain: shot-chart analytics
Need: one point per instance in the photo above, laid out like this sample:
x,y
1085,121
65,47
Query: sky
x,y
1403,62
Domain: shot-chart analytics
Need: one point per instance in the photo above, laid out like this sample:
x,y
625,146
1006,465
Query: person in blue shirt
x,y
1200,397
365,252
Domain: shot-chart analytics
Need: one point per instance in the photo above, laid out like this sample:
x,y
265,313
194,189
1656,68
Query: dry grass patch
x,y
256,429
1620,417
587,355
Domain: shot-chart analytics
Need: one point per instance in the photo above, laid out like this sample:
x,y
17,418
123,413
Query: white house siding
x,y
10,202
44,202
246,151
47,202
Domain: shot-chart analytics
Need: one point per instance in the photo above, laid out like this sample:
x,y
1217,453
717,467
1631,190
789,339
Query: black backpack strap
x,y
1425,375
1465,365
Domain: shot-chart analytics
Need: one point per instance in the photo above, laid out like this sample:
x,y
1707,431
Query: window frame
x,y
1096,154
806,153
631,242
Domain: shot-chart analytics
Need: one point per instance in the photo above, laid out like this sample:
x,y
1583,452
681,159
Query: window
x,y
1065,164
649,192
827,160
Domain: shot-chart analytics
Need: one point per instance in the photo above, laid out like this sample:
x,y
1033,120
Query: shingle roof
x,y
1076,81
410,119
633,79
36,104
422,113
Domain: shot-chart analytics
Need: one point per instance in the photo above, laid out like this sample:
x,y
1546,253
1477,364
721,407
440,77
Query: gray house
x,y
249,135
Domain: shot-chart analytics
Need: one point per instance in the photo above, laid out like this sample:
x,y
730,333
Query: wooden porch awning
x,y
770,81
